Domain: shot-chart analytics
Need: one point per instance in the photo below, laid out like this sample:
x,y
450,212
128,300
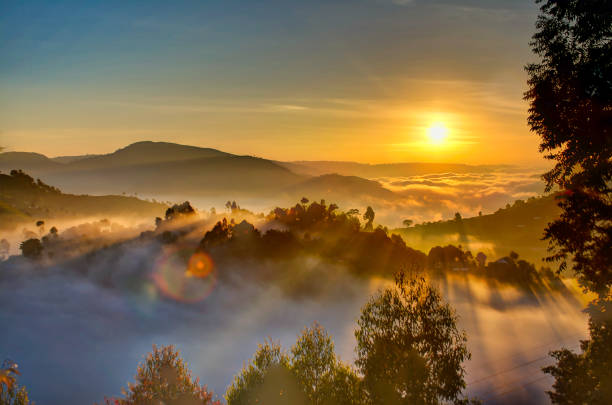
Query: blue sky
x,y
281,79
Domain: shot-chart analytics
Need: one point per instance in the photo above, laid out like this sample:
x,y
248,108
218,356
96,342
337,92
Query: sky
x,y
362,80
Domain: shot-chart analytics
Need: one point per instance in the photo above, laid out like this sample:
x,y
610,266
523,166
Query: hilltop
x,y
24,200
519,227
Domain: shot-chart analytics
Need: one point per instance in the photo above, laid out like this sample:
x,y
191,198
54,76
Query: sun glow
x,y
437,133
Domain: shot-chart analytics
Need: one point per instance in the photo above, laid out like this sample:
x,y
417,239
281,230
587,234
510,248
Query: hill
x,y
24,200
335,187
27,161
144,153
517,227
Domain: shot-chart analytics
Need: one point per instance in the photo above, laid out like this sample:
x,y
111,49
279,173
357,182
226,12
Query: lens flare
x,y
185,276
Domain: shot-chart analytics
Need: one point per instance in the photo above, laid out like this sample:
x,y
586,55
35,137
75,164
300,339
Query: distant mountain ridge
x,y
370,171
165,169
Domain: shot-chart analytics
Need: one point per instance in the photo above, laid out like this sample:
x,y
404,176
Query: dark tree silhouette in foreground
x,y
570,95
409,349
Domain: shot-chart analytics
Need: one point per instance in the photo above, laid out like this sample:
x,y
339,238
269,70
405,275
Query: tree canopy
x,y
164,378
409,349
570,95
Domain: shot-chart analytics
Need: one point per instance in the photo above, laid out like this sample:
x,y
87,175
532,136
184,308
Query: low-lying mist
x,y
79,322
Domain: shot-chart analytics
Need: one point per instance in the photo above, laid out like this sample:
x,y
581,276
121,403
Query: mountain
x,y
26,161
335,187
143,153
316,168
173,171
239,175
157,168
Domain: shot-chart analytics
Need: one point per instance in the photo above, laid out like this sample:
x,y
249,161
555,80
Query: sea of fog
x,y
78,328
428,197
77,339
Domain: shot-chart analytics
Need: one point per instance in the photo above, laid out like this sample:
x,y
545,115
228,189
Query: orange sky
x,y
332,80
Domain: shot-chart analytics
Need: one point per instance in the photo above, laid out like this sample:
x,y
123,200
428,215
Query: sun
x,y
437,133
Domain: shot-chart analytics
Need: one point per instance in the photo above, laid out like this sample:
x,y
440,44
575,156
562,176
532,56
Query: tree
x,y
586,378
408,347
31,248
369,217
5,248
266,379
314,362
407,223
304,201
352,211
180,211
15,395
10,392
458,217
40,224
570,95
322,377
165,378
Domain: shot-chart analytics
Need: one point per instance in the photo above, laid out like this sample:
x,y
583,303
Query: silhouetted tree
x,y
220,233
369,217
409,349
570,95
407,223
352,211
304,201
458,217
481,259
4,248
179,211
163,378
31,248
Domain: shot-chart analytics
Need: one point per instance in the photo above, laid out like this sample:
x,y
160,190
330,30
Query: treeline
x,y
305,230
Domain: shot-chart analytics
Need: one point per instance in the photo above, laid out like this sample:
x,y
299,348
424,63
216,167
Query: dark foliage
x,y
31,248
318,230
570,94
586,377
